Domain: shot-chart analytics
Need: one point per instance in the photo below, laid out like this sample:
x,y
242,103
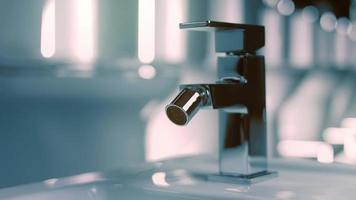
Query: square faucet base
x,y
243,179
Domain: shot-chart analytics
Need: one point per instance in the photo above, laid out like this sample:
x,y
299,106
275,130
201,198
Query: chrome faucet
x,y
240,96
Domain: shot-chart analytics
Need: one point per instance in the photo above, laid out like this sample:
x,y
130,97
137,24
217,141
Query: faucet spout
x,y
187,103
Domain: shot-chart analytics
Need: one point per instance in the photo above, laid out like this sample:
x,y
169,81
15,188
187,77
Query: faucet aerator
x,y
177,115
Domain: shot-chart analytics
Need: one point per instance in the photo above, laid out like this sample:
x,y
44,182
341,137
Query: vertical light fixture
x,y
301,49
174,41
146,30
342,42
228,10
48,32
274,37
84,30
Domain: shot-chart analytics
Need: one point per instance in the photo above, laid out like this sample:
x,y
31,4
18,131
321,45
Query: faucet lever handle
x,y
231,37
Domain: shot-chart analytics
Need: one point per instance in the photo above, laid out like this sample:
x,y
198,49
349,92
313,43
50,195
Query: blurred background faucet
x,y
239,94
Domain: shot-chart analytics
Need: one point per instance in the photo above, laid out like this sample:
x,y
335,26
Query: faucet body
x,y
240,96
242,121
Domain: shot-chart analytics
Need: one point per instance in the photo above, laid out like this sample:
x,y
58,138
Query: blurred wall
x,y
20,28
53,127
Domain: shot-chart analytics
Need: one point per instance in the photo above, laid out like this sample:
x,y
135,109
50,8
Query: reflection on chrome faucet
x,y
239,94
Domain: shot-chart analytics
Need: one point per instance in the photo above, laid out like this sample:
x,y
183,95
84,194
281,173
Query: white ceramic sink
x,y
296,180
